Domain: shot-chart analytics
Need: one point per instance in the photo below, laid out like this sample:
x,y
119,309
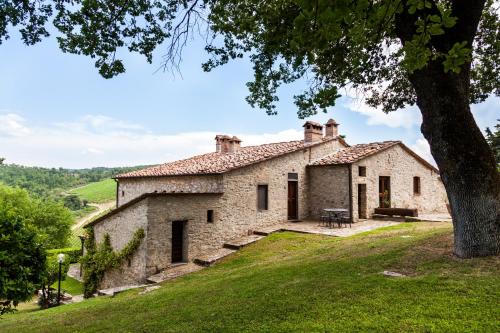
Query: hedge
x,y
72,254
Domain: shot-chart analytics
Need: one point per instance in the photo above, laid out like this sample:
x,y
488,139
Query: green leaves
x,y
100,258
457,56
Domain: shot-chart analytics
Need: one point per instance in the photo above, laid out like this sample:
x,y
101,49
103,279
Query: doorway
x,y
384,192
177,241
293,193
362,201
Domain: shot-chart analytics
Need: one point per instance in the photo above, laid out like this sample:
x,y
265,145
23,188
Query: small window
x,y
123,193
416,185
262,197
293,176
362,171
210,216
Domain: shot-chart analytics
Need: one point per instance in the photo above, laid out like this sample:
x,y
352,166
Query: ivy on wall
x,y
100,257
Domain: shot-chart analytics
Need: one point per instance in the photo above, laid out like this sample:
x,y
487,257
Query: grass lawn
x,y
77,214
71,286
97,192
291,282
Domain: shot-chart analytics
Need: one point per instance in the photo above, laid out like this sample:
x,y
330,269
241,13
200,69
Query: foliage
x,y
99,259
71,254
48,298
337,44
22,257
291,282
49,183
73,202
50,219
493,139
98,192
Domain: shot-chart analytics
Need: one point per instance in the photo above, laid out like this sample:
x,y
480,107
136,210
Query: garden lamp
x,y
60,260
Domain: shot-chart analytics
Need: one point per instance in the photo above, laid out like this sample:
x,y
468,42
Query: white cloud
x,y
12,124
422,148
96,140
405,118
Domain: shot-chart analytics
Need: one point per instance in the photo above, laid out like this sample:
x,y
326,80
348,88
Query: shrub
x,y
72,254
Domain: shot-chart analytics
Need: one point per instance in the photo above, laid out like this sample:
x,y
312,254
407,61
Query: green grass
x,y
98,192
70,285
291,282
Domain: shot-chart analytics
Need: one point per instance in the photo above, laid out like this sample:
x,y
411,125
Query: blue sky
x,y
57,111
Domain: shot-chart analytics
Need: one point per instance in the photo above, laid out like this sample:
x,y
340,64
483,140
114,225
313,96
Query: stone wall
x,y
401,167
121,228
131,188
199,236
328,188
239,201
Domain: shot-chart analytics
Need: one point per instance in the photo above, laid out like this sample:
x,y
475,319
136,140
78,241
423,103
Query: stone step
x,y
238,243
174,272
116,290
212,257
267,230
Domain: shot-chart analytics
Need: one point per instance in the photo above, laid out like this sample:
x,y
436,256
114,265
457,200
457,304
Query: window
x,y
262,197
362,171
210,216
416,185
123,193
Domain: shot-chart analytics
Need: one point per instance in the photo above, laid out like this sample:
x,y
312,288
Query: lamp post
x,y
60,259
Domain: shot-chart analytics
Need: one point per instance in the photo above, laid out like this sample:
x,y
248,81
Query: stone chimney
x,y
313,132
234,144
331,129
226,144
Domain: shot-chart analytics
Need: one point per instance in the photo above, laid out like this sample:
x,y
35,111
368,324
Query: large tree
x,y
440,55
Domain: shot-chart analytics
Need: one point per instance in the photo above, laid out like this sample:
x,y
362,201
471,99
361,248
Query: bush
x,y
72,254
48,297
51,220
22,259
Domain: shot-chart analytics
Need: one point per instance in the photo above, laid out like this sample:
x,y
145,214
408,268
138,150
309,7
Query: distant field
x,y
97,192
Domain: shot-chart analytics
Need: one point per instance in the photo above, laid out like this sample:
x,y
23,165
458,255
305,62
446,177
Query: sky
x,y
57,111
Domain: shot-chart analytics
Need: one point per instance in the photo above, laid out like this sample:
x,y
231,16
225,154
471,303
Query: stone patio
x,y
313,227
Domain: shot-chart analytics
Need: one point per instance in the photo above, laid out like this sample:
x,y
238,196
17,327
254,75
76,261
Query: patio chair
x,y
345,219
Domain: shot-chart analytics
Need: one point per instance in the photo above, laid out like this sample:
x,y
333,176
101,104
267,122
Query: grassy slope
x,y
70,285
98,192
306,283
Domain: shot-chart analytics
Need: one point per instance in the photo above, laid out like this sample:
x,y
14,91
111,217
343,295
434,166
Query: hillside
x,y
45,182
292,282
98,192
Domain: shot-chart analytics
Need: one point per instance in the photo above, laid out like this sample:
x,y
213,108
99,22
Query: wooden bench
x,y
397,211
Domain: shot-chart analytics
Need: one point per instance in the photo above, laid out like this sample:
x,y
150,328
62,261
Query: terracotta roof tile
x,y
354,153
216,163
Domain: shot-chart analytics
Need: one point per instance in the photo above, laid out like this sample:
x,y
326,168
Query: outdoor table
x,y
334,214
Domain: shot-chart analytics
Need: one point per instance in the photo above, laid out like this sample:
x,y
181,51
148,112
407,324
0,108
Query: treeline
x,y
51,182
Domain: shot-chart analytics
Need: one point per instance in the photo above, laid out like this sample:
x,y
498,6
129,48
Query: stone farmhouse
x,y
192,206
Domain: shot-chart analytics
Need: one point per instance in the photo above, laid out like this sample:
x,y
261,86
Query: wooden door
x,y
384,185
362,201
293,202
177,241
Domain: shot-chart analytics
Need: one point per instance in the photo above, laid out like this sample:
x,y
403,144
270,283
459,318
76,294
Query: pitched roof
x,y
354,153
216,163
358,152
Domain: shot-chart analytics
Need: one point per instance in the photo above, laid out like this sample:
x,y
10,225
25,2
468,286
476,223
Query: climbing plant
x,y
99,258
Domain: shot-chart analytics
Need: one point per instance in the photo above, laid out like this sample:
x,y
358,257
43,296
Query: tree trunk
x,y
465,161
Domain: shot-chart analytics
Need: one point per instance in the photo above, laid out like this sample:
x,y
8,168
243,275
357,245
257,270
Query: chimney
x,y
313,132
234,144
226,144
331,129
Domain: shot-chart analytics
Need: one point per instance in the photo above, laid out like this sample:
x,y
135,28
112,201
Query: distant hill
x,y
51,182
98,192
